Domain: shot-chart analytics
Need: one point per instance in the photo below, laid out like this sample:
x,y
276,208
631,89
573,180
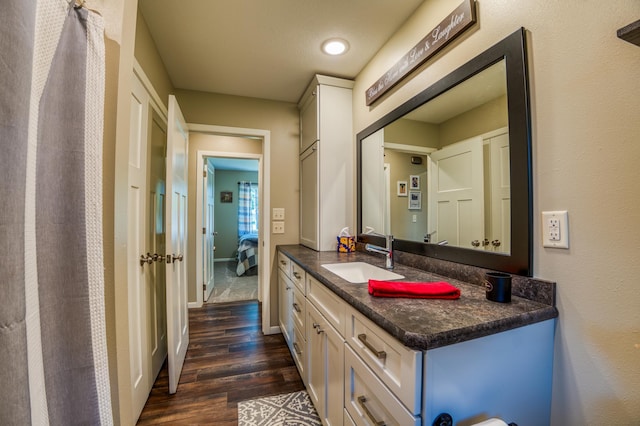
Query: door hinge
x,y
204,286
204,173
204,230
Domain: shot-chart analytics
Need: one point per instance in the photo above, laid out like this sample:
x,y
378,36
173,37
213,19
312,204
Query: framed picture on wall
x,y
402,188
414,182
415,200
226,196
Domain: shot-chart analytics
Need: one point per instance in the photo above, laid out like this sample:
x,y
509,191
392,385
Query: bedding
x,y
247,255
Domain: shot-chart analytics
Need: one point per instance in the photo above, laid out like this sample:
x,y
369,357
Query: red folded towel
x,y
433,290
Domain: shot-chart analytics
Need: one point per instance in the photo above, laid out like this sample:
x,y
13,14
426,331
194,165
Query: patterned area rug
x,y
291,409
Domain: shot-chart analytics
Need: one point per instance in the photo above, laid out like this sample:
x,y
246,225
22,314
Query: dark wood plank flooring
x,y
228,360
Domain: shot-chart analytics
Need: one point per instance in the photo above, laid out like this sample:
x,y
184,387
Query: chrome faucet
x,y
387,251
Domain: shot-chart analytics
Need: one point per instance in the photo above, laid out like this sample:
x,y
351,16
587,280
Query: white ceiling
x,y
267,49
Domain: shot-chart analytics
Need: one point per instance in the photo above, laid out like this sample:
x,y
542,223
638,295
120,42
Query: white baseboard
x,y
274,329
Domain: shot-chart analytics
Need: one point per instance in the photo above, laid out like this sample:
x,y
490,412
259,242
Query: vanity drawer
x,y
299,346
284,263
298,309
399,367
328,303
367,400
298,277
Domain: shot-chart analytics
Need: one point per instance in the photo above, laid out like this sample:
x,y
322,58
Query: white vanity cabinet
x,y
326,161
325,348
357,373
291,312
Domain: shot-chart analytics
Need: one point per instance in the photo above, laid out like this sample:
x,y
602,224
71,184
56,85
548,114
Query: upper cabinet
x,y
326,155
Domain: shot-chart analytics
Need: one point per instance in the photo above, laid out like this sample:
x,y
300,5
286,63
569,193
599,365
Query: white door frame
x,y
264,241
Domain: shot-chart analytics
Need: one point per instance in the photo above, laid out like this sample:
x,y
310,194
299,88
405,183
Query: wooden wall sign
x,y
451,27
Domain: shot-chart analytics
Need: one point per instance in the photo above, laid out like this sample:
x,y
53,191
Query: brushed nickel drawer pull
x,y
362,400
380,354
297,348
297,307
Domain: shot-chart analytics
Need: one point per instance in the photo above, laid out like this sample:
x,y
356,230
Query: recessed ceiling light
x,y
335,46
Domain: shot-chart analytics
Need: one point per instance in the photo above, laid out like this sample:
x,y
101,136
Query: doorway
x,y
256,146
231,255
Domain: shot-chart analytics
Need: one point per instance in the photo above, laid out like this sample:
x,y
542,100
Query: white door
x,y
156,235
500,193
136,247
456,186
176,242
209,230
375,206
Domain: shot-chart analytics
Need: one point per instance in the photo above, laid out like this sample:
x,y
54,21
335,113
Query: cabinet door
x,y
316,359
285,301
326,367
309,198
309,121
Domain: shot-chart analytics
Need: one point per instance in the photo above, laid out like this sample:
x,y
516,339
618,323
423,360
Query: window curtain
x,y
247,208
53,352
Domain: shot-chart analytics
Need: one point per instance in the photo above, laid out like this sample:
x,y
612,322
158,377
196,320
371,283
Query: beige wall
x,y
281,120
412,132
402,223
146,53
585,100
488,117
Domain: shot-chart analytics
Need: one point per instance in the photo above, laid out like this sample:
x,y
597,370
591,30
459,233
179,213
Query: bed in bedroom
x,y
247,255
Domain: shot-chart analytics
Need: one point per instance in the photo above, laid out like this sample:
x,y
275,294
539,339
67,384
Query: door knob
x,y
171,258
148,259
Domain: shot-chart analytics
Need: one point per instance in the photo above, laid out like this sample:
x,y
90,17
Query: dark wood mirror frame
x,y
520,260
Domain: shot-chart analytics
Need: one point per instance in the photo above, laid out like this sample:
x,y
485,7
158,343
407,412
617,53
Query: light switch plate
x,y
278,213
555,229
277,227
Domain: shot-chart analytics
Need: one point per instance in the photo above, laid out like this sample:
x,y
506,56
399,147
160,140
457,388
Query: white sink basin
x,y
360,272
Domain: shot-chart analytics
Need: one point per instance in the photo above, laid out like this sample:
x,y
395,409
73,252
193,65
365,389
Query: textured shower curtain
x,y
53,355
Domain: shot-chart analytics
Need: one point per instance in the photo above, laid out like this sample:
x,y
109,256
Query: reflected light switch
x,y
414,219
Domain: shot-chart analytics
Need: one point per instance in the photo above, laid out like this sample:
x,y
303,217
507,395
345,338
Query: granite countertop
x,y
422,324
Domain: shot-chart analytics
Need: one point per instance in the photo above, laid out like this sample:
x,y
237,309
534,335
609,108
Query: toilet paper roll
x,y
491,422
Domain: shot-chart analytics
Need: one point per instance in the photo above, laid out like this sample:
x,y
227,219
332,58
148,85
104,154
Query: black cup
x,y
498,286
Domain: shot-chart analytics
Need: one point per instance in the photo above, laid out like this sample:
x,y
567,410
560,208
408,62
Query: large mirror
x,y
448,173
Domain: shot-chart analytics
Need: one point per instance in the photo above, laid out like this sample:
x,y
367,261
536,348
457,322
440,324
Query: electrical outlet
x,y
278,214
277,227
555,229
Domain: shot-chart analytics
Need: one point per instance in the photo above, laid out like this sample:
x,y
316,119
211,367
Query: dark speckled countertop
x,y
422,323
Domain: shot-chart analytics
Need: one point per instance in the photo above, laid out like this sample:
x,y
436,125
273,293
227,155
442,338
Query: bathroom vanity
x,y
395,361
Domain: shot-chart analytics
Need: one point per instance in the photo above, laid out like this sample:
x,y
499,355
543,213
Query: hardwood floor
x,y
229,360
